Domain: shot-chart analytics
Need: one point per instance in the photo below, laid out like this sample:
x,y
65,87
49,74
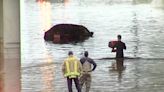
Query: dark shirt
x,y
119,49
82,60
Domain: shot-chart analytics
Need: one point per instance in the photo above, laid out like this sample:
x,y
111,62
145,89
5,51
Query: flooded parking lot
x,y
140,25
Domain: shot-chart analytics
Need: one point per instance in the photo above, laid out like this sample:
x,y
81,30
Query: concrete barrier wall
x,y
1,48
10,46
11,14
1,21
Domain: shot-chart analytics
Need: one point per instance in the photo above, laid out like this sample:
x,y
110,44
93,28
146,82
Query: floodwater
x,y
141,27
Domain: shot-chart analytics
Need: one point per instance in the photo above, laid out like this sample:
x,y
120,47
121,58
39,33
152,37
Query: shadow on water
x,y
141,1
53,1
129,58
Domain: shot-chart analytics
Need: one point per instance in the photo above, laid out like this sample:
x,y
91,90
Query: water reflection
x,y
45,13
137,77
134,30
66,1
118,68
48,75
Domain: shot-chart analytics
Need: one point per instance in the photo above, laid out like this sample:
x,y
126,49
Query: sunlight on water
x,y
45,11
48,75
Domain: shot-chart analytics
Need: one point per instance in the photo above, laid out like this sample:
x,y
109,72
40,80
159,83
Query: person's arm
x,y
124,46
82,60
94,64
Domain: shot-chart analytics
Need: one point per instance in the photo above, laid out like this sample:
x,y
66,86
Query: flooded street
x,y
141,27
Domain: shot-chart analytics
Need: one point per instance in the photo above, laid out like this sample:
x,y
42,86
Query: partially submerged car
x,y
65,33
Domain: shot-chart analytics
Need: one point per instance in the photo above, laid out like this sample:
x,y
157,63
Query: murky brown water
x,y
141,27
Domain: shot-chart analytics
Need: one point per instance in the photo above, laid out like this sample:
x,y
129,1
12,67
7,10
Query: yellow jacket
x,y
71,67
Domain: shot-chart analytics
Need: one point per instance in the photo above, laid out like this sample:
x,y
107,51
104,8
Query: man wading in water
x,y
118,48
87,69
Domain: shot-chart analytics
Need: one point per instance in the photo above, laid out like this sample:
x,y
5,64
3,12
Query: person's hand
x,y
113,50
